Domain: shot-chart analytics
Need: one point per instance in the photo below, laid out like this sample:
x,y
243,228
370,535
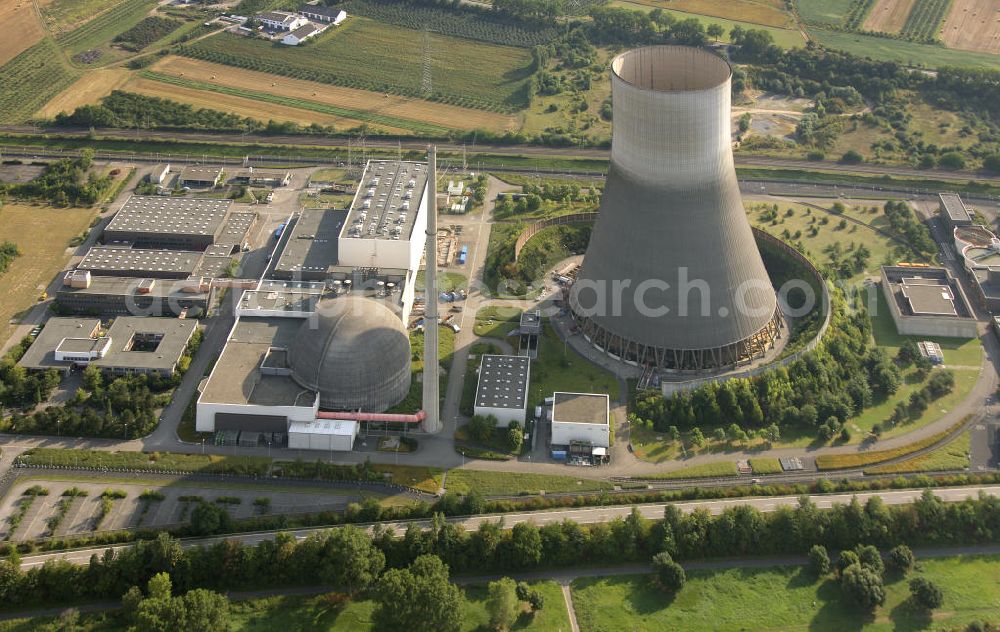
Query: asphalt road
x,y
588,515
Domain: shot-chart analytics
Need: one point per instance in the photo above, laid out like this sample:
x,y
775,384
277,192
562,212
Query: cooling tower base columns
x,y
701,360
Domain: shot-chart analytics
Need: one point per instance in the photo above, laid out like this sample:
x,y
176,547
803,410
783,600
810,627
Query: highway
x,y
473,149
587,515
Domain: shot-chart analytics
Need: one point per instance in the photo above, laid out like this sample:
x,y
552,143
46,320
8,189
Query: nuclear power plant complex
x,y
672,278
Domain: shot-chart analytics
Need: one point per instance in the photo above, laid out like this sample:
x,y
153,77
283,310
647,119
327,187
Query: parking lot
x,y
84,514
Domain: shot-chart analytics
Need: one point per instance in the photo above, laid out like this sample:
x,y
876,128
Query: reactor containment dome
x,y
355,353
672,277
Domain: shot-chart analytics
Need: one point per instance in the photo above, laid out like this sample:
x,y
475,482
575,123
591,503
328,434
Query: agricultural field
x,y
373,108
61,16
784,37
88,89
21,28
925,19
762,12
42,233
31,79
824,12
96,35
972,25
888,16
910,53
785,598
373,56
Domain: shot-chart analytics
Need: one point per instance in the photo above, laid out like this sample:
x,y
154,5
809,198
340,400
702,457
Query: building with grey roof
x,y
114,296
927,301
502,388
953,210
130,345
311,249
123,261
581,418
168,222
200,176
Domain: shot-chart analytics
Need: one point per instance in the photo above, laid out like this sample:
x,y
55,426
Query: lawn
x,y
512,483
951,456
155,461
42,233
784,598
902,51
559,368
373,56
446,281
31,79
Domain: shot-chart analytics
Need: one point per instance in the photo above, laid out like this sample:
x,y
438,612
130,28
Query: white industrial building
x,y
323,434
581,418
502,389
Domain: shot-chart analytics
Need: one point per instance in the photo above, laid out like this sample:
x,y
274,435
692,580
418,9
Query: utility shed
x,y
322,434
581,418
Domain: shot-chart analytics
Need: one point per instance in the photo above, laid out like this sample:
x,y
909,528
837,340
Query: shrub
x,y
926,593
669,573
863,586
819,560
900,559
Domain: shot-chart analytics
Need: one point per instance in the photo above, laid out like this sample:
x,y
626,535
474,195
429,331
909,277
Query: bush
x,y
863,586
952,160
819,560
852,157
669,573
900,559
926,593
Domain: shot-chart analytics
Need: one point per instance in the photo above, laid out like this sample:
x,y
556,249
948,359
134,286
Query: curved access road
x,y
587,515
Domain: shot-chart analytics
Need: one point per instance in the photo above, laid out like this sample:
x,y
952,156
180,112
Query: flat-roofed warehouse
x,y
927,301
581,418
200,177
121,261
130,345
166,222
502,389
83,293
311,247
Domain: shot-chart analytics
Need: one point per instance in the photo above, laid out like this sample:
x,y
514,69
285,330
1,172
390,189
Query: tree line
x,y
351,560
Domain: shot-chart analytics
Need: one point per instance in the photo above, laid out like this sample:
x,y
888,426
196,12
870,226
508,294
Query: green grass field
x,y
831,12
559,368
374,56
102,29
512,483
765,466
31,79
951,456
902,51
705,470
786,598
63,15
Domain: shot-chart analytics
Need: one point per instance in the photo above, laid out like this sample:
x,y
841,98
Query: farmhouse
x,y
502,390
323,14
927,302
301,34
281,20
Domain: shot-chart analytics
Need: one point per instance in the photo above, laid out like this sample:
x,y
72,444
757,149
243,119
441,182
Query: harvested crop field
x,y
65,15
21,28
972,25
888,16
42,233
227,103
88,89
350,98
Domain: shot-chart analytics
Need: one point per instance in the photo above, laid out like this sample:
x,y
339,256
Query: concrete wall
x,y
564,433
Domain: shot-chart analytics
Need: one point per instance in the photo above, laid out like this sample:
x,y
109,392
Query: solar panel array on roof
x,y
503,381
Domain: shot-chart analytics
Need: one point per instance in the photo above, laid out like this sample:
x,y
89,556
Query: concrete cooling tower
x,y
672,277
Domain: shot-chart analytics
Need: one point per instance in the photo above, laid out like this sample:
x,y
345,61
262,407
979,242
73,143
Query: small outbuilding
x,y
581,418
323,434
